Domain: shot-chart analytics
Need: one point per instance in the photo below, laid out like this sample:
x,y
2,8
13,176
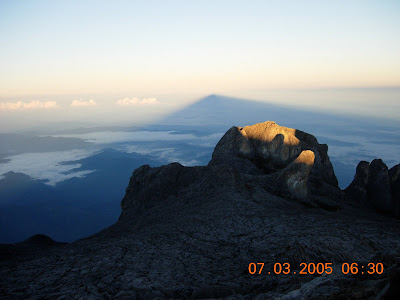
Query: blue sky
x,y
187,49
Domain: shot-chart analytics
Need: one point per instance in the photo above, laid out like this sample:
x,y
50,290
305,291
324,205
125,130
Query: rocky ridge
x,y
269,195
376,186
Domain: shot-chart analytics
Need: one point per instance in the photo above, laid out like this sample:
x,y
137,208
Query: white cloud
x,y
48,165
80,103
109,137
167,155
135,101
5,106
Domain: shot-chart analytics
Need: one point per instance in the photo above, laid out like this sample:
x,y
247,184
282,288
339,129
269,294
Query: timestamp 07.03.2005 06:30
x,y
316,268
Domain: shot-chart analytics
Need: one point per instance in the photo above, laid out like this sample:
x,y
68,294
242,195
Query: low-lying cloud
x,y
10,106
135,101
363,148
48,166
109,137
81,103
164,155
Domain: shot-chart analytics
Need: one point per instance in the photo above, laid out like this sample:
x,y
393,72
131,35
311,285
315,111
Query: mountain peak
x,y
211,97
289,162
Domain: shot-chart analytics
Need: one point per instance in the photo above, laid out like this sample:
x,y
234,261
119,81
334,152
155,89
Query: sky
x,y
153,56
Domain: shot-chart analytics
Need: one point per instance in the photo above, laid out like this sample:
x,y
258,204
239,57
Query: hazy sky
x,y
166,50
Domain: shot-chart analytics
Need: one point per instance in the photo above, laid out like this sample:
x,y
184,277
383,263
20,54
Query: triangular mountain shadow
x,y
222,112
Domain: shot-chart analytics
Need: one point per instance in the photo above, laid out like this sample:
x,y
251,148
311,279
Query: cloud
x,y
6,106
81,103
109,137
135,101
48,166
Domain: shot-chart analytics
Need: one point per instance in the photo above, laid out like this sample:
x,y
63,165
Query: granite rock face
x,y
294,178
191,232
377,186
270,148
267,148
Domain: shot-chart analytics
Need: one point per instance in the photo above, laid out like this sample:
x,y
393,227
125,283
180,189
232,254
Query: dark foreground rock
x,y
35,245
191,232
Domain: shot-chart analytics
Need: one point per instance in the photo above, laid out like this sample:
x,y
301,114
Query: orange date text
x,y
315,268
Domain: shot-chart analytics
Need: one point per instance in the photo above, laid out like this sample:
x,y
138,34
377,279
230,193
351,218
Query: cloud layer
x,y
81,103
8,106
48,165
109,137
135,101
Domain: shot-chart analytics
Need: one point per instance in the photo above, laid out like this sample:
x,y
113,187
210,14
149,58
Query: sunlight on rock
x,y
268,131
306,157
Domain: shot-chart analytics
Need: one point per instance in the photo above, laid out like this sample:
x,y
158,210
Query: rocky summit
x,y
268,203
